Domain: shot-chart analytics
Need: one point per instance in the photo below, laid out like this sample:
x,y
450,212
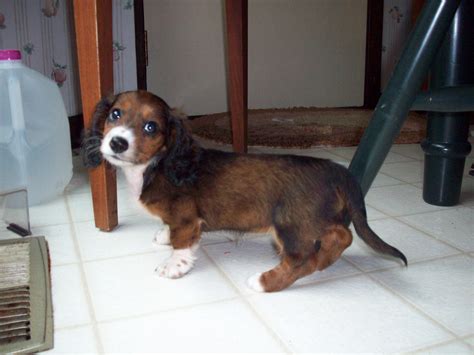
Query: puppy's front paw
x,y
254,282
172,270
162,237
179,264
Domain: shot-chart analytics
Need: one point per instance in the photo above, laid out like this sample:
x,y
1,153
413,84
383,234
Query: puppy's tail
x,y
358,215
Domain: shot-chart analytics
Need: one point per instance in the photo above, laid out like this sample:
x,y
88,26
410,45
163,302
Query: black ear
x,y
92,137
181,159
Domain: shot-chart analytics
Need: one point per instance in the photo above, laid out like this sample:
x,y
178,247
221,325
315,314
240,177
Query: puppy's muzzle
x,y
118,144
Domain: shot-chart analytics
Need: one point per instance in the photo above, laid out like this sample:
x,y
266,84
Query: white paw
x,y
173,270
254,283
177,265
162,236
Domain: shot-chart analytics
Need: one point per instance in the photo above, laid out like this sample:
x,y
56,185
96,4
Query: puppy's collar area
x,y
152,166
134,175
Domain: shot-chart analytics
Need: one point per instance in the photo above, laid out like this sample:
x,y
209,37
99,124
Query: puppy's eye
x,y
150,127
114,115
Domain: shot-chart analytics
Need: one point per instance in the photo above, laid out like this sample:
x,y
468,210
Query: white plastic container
x,y
35,147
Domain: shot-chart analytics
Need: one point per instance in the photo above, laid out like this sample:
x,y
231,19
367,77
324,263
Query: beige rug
x,y
303,127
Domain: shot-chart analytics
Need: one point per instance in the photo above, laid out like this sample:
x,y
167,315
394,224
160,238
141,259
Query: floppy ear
x,y
180,160
92,137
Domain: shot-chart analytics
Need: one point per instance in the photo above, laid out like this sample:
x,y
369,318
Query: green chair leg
x,y
397,99
446,145
446,99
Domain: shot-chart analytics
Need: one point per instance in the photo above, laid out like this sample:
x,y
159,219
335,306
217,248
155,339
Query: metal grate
x,y
26,320
15,315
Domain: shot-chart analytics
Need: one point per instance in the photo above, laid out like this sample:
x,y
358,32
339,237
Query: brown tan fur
x,y
306,203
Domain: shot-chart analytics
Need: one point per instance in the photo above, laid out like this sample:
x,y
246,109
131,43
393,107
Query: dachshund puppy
x,y
305,203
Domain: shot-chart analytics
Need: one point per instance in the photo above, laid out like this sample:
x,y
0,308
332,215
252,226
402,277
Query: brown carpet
x,y
303,127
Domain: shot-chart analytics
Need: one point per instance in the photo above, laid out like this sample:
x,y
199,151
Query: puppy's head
x,y
137,127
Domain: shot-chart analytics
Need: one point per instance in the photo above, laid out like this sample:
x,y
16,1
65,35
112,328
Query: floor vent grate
x,y
25,296
15,315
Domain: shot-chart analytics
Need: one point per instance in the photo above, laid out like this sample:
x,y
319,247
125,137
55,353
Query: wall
x,y
301,53
44,31
289,47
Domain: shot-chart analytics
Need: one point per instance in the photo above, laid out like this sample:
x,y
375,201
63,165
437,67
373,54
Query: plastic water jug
x,y
35,147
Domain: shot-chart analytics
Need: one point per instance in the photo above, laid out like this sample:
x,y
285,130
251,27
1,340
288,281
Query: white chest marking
x,y
134,176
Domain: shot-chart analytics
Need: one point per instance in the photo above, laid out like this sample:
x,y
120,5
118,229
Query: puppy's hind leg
x,y
294,250
331,245
290,269
185,241
296,265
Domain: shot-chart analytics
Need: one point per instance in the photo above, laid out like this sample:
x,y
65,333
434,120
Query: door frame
x,y
140,44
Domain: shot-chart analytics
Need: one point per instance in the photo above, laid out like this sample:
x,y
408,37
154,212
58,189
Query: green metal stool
x,y
443,40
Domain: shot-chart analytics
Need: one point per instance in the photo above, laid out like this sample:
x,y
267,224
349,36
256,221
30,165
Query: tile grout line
x,y
406,156
243,297
413,184
417,262
395,162
168,310
102,259
323,281
408,214
414,306
80,220
432,236
85,285
50,225
72,327
400,181
465,341
426,232
433,346
377,209
393,292
364,272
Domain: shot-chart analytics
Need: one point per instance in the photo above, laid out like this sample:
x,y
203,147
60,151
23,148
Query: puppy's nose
x,y
118,144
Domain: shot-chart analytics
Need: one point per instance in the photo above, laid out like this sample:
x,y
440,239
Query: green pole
x,y
446,99
397,99
446,145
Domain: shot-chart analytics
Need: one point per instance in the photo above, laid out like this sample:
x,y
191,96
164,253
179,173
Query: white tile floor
x,y
107,298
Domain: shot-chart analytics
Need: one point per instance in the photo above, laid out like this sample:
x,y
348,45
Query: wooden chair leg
x,y
93,21
236,16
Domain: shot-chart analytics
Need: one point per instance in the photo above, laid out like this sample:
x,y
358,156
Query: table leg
x,y
93,24
236,17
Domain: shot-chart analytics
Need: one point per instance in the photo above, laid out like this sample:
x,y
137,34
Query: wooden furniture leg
x,y
236,17
93,23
